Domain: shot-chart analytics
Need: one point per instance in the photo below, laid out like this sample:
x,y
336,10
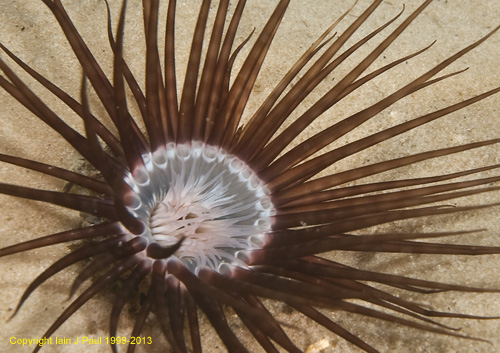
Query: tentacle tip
x,y
11,317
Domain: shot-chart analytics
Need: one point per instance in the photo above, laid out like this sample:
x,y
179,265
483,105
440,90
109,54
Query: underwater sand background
x,y
29,30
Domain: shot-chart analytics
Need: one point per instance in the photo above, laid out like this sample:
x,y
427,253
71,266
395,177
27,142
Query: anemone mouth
x,y
201,196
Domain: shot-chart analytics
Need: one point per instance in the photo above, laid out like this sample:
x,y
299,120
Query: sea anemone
x,y
222,213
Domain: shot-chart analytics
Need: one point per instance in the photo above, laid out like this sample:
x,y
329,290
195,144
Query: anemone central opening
x,y
202,194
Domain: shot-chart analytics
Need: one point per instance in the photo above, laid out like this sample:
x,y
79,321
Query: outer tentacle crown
x,y
214,214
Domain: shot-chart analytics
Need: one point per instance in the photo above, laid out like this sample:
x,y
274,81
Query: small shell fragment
x,y
318,346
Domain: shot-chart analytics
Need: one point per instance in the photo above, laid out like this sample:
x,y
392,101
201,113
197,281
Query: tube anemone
x,y
309,214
